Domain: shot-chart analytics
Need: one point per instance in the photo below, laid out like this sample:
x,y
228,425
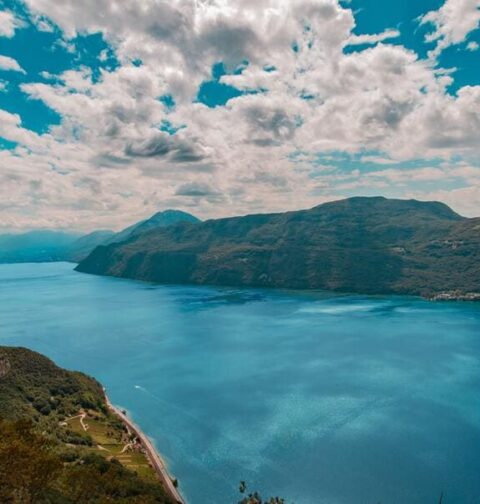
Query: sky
x,y
112,110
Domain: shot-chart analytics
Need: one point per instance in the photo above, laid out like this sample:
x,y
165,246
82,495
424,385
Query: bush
x,y
42,406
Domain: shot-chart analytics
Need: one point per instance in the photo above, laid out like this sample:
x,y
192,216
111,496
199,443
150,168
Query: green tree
x,y
28,464
255,498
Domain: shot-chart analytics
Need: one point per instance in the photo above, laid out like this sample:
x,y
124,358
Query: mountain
x,y
35,246
33,387
49,246
81,247
59,440
364,245
160,219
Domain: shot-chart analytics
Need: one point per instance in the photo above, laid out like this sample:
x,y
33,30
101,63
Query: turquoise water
x,y
319,398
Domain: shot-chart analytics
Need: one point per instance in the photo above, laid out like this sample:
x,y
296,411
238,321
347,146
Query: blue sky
x,y
110,114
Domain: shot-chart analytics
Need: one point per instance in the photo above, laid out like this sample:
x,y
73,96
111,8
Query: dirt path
x,y
83,424
126,447
82,417
155,459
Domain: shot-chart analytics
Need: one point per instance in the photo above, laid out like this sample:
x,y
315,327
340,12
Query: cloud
x,y
7,63
195,189
304,95
11,129
373,39
269,124
157,146
163,145
200,193
452,23
473,46
43,25
275,181
8,24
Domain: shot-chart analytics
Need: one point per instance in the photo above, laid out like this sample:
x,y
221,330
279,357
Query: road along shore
x,y
152,454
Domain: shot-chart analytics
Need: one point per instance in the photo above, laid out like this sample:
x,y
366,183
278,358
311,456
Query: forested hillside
x,y
364,245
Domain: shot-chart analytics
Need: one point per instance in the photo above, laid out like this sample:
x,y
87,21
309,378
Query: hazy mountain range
x,y
46,246
36,246
365,245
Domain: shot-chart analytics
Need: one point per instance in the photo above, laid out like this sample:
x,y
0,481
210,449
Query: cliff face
x,y
365,245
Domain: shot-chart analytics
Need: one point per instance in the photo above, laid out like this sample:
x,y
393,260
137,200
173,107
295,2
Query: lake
x,y
319,398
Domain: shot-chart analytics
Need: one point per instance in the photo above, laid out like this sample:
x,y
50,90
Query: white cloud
x,y
452,23
473,46
406,176
8,24
374,38
7,63
11,129
43,25
108,162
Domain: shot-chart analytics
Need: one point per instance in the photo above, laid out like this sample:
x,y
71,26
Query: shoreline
x,y
455,295
152,454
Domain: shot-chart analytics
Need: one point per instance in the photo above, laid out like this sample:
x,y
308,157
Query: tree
x,y
27,463
255,498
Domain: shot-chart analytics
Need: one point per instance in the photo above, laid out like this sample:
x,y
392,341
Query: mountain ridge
x,y
365,245
163,218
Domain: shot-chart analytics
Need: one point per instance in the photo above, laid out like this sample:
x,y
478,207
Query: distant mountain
x,y
160,219
35,246
364,245
50,246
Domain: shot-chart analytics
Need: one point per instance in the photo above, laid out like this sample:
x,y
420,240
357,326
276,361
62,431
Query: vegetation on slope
x,y
365,245
159,220
59,443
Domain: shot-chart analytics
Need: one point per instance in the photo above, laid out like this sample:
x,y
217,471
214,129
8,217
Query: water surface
x,y
320,398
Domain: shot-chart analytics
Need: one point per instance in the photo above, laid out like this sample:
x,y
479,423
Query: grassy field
x,y
110,440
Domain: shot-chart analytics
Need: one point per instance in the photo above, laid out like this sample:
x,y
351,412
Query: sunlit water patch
x,y
320,398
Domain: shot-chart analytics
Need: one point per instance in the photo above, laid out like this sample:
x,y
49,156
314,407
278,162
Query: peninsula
x,y
363,245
